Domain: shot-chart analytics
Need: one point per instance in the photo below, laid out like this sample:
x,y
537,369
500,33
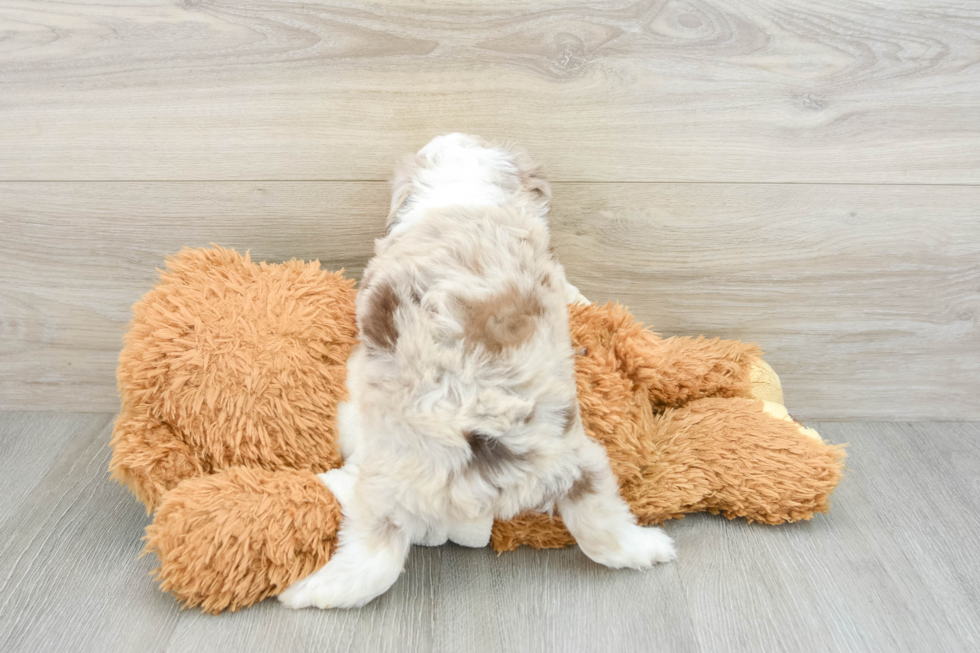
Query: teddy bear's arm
x,y
683,369
738,457
673,370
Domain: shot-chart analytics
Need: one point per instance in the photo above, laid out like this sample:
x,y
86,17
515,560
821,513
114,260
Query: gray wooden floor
x,y
895,567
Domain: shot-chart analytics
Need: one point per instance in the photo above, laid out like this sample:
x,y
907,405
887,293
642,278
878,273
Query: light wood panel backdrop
x,y
802,174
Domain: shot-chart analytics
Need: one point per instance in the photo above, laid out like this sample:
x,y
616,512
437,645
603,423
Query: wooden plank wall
x,y
805,175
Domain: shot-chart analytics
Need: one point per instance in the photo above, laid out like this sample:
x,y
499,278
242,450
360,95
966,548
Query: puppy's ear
x,y
402,183
531,174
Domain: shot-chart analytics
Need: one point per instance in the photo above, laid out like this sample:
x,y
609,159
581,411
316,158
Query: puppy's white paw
x,y
341,585
433,536
639,548
350,426
340,481
322,595
298,595
346,593
474,534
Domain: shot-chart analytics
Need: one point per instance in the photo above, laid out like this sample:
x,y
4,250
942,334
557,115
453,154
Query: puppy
x,y
462,390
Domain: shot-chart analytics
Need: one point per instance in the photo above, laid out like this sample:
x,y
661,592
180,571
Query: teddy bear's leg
x,y
740,457
230,539
369,557
602,523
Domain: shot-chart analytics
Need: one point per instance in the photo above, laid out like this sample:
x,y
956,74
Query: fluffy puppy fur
x,y
462,392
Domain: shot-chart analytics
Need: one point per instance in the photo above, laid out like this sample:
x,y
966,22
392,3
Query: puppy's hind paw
x,y
333,588
297,596
639,548
653,545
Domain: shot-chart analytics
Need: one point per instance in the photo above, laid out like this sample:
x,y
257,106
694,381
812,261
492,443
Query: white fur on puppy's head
x,y
459,169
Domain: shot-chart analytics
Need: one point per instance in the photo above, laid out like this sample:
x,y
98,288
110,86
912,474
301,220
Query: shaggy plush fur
x,y
721,452
271,529
696,466
676,416
230,363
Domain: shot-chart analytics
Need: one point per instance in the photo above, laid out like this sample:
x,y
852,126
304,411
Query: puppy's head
x,y
463,170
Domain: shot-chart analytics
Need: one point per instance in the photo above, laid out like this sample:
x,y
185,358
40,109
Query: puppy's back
x,y
464,322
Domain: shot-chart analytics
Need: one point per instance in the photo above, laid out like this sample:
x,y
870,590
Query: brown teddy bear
x,y
230,379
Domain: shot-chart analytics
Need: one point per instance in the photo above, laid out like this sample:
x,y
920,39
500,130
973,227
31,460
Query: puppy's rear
x,y
463,404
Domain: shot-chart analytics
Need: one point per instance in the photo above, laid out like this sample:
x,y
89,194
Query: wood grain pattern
x,y
706,90
863,579
31,442
893,567
867,298
76,256
926,479
70,578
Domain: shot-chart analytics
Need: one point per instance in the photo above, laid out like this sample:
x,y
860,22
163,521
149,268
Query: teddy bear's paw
x,y
765,382
639,548
779,412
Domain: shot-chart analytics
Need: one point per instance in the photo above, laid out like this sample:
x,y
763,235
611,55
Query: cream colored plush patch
x,y
765,382
779,411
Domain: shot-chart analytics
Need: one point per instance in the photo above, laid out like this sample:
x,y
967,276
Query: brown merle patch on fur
x,y
386,527
378,324
383,531
507,319
584,486
530,415
489,455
